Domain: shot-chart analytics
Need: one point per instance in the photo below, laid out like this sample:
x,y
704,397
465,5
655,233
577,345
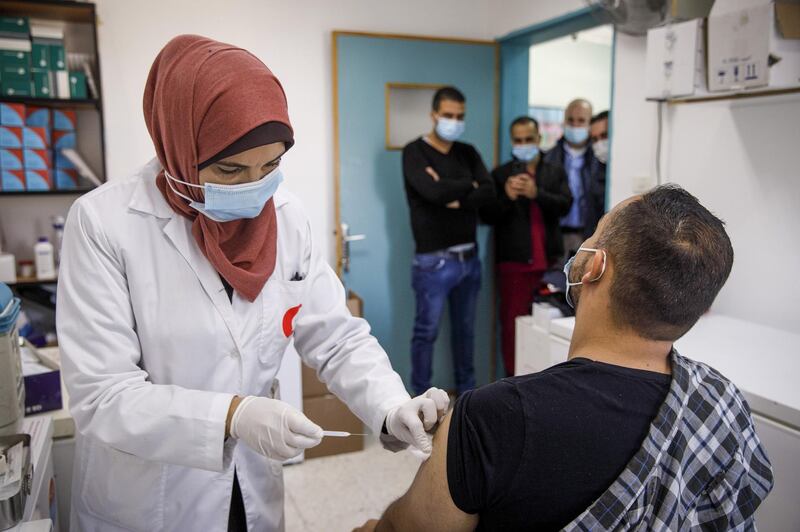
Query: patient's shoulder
x,y
491,400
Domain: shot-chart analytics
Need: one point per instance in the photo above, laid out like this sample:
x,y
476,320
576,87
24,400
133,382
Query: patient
x,y
627,433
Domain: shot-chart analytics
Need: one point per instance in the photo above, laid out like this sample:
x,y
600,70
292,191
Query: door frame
x,y
335,78
515,61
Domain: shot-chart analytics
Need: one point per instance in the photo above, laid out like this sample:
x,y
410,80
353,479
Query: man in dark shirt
x,y
627,434
446,183
585,173
532,196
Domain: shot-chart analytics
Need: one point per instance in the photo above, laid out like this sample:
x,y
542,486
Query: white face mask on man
x,y
568,268
600,149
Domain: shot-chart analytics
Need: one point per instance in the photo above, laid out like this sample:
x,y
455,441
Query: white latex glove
x,y
273,428
410,421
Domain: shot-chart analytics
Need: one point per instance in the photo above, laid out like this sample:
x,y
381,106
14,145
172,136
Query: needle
x,y
340,434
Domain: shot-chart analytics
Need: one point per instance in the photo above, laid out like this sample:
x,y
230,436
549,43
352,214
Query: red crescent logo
x,y
288,329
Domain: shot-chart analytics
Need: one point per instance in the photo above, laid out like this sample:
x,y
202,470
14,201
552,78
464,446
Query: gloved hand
x,y
273,428
410,421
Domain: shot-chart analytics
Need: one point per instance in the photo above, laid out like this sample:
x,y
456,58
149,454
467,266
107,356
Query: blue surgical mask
x,y
576,135
224,203
525,152
568,267
449,129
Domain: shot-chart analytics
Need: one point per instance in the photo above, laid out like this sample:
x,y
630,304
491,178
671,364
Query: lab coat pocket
x,y
283,303
123,489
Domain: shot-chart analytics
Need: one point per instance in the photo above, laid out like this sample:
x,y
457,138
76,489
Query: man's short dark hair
x,y
671,258
522,120
602,115
447,93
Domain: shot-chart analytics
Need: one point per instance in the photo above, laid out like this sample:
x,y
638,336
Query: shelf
x,y
31,281
31,193
712,97
50,9
52,102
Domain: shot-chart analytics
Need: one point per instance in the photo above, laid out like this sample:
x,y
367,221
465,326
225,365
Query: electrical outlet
x,y
641,184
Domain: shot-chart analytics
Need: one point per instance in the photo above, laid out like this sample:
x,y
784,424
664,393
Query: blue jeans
x,y
436,278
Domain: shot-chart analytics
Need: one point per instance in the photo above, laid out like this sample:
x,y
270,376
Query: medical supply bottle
x,y
44,256
58,233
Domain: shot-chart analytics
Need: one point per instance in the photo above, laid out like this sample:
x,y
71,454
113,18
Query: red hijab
x,y
201,96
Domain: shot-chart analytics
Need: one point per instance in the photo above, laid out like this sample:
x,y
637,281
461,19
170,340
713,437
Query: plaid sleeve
x,y
730,502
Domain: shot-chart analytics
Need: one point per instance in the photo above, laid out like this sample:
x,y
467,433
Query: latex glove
x,y
410,421
273,428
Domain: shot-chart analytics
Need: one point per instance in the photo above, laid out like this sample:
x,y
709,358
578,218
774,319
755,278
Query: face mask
x,y
568,267
449,129
224,203
576,135
600,149
525,152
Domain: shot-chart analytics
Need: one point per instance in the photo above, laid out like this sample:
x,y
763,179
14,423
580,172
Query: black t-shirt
x,y
533,452
436,227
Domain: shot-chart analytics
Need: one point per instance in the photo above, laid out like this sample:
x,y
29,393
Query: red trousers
x,y
516,297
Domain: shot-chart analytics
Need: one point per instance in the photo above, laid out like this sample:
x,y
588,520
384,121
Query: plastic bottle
x,y
58,233
45,259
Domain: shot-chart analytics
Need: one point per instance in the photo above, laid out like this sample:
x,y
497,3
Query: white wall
x,y
588,75
633,123
740,159
292,38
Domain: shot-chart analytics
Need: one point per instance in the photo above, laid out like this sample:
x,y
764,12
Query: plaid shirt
x,y
701,465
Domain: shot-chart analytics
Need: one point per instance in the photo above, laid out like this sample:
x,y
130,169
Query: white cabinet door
x,y
781,511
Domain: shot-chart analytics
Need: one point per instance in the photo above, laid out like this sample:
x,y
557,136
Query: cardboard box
x,y
15,73
40,56
67,179
17,27
42,83
58,57
36,116
330,413
37,159
675,60
14,58
77,86
12,180
312,386
753,43
11,159
64,119
12,114
10,137
16,88
61,161
38,180
64,139
35,138
355,304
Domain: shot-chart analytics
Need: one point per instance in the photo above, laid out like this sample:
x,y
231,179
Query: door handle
x,y
346,239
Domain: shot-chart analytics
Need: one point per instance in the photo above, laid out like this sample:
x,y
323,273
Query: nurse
x,y
181,287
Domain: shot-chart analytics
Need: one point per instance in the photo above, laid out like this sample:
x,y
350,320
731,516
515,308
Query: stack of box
x,y
31,143
33,61
64,137
15,56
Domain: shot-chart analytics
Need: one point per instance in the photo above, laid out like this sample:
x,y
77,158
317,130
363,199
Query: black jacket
x,y
512,219
593,174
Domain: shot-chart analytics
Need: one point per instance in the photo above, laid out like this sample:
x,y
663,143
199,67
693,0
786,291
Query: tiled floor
x,y
338,493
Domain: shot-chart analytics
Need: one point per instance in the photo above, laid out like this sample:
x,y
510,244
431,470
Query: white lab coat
x,y
153,351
